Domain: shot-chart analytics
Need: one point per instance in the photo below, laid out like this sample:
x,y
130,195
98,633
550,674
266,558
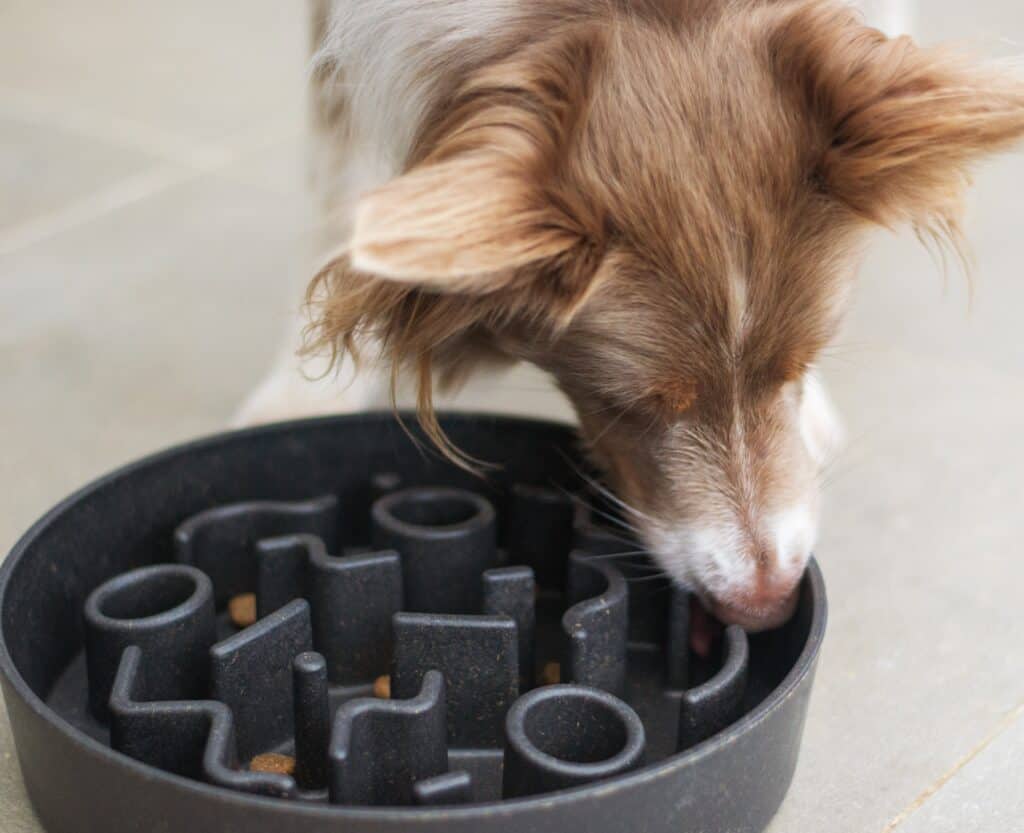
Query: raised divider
x,y
221,541
707,709
596,625
479,659
381,748
352,599
191,738
251,673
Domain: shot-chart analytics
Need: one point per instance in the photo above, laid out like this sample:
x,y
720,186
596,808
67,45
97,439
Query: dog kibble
x,y
382,687
242,610
551,674
273,763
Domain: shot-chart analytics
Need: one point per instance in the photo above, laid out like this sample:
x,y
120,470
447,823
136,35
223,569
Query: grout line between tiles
x,y
136,188
126,133
1004,724
238,177
119,194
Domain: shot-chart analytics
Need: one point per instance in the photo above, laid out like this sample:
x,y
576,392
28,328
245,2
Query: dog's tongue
x,y
704,630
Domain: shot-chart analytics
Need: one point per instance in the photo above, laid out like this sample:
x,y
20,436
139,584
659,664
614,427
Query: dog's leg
x,y
295,388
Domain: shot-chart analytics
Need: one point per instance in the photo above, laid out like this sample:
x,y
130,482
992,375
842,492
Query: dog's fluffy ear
x,y
465,224
900,124
485,207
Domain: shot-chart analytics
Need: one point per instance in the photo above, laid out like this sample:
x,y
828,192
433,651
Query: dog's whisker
x,y
622,525
659,576
611,556
621,503
605,492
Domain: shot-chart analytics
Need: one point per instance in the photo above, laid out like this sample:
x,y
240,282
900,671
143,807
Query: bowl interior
x,y
127,520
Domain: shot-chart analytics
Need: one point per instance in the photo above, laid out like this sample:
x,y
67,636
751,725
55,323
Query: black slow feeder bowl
x,y
538,668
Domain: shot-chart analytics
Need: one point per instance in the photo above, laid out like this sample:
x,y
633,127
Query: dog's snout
x,y
746,575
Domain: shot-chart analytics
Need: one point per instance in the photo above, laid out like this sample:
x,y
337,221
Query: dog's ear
x,y
464,224
899,125
485,207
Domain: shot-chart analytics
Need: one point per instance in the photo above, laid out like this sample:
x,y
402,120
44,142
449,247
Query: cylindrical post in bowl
x,y
446,538
565,735
167,611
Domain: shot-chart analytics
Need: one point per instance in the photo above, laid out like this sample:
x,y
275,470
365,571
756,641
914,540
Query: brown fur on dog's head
x,y
663,208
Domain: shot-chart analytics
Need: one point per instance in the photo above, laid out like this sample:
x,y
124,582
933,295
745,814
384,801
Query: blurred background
x,y
152,222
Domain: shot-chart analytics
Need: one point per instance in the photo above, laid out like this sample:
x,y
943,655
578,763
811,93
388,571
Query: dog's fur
x,y
660,203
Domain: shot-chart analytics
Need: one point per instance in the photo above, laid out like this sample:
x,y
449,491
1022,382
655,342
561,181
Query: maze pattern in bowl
x,y
365,559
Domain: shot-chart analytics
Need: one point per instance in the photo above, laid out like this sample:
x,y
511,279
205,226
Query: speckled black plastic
x,y
137,704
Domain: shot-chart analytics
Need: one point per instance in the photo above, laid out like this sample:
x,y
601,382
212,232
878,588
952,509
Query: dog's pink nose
x,y
769,603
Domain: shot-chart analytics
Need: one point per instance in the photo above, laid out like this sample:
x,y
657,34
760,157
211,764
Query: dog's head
x,y
665,215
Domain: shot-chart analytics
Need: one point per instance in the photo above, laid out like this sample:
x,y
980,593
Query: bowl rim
x,y
802,667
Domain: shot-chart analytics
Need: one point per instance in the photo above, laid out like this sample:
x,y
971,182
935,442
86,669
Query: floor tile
x,y
17,815
195,69
43,168
138,330
281,166
990,27
908,301
985,796
920,532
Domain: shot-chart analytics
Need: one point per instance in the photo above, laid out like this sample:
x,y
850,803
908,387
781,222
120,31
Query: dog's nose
x,y
768,603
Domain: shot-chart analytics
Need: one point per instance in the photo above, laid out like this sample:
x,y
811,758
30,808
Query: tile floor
x,y
150,157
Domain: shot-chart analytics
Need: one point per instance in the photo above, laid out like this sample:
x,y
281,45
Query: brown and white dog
x,y
660,203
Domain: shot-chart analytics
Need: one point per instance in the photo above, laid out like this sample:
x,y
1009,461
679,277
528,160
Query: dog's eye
x,y
676,399
771,376
794,370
